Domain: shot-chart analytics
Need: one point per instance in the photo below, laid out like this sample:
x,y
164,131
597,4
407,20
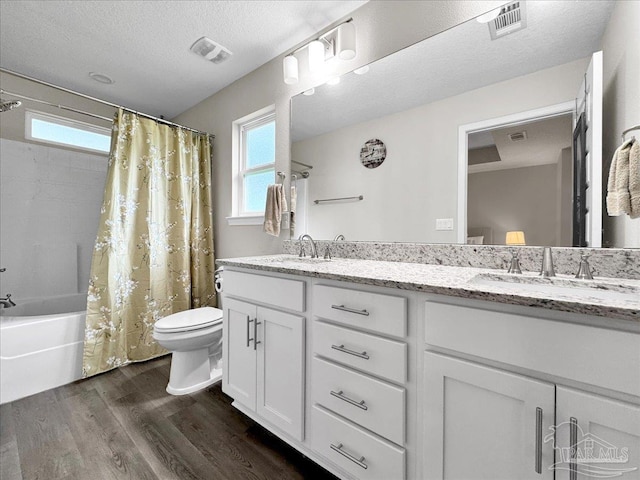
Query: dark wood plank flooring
x,y
123,425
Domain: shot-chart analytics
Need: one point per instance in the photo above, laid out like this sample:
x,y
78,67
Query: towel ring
x,y
635,127
282,175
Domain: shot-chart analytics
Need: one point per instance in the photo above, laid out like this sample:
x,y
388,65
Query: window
x,y
47,128
254,164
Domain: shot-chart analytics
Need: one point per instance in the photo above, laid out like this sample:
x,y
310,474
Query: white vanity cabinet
x,y
263,359
519,417
358,381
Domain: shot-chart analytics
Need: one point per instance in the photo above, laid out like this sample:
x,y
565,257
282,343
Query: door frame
x,y
513,119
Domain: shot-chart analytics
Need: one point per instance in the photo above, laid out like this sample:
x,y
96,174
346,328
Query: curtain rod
x,y
62,107
104,102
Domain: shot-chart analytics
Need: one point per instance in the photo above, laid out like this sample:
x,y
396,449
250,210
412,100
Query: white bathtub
x,y
41,343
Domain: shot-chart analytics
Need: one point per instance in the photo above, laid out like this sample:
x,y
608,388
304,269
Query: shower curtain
x,y
154,249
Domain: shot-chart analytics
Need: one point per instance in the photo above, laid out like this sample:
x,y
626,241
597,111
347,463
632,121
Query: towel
x,y
634,179
292,209
618,197
275,205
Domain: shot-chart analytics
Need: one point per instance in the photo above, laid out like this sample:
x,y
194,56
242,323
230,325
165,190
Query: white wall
x,y
621,52
421,163
523,199
383,27
49,213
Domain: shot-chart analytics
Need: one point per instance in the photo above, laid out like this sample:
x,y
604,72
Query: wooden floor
x,y
123,425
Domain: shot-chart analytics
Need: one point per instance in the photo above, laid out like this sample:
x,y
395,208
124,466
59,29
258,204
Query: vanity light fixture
x,y
339,42
316,56
361,70
346,41
290,67
309,92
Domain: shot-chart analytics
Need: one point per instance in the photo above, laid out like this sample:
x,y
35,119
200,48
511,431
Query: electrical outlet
x,y
444,223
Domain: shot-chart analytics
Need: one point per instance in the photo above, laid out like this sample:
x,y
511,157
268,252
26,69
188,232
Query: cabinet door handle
x,y
357,461
538,465
341,348
573,440
339,394
255,334
249,320
350,310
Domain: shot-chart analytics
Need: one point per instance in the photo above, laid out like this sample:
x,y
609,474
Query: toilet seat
x,y
189,320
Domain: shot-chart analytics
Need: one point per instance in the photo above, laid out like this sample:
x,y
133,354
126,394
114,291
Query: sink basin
x,y
291,259
609,291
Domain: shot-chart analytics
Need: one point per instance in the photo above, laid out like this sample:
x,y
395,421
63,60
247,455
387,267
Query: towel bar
x,y
358,198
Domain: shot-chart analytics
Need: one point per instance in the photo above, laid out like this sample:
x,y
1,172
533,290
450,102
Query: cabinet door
x,y
605,433
484,423
281,370
239,363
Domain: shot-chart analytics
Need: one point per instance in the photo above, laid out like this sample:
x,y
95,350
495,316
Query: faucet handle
x,y
302,252
327,253
514,266
584,270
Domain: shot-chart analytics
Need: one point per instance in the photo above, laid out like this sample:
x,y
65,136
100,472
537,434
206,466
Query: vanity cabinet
x,y
263,359
484,423
488,422
358,381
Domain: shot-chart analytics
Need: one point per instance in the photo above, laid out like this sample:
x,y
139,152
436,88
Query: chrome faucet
x,y
314,250
327,250
514,266
338,237
547,263
6,302
584,270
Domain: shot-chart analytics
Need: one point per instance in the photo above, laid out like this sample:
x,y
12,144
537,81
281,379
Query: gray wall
x,y
621,52
382,27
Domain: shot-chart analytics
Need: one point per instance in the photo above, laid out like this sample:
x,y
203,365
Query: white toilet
x,y
195,338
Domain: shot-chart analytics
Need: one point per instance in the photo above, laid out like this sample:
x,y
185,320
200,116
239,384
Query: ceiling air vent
x,y
210,50
518,136
511,19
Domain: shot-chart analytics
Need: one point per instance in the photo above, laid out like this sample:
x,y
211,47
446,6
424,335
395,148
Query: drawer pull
x,y
538,464
249,339
350,310
255,333
355,403
341,348
573,441
359,462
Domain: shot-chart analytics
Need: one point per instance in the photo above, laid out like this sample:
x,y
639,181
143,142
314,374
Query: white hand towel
x,y
292,209
634,179
618,197
276,204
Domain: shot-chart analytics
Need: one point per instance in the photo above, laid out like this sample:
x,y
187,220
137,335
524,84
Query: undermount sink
x,y
298,260
561,286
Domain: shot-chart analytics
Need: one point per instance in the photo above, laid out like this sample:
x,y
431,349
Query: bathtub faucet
x,y
7,302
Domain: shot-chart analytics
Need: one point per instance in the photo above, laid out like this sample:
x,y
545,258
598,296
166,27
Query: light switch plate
x,y
444,223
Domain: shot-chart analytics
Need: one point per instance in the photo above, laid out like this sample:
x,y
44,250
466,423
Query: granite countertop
x,y
605,297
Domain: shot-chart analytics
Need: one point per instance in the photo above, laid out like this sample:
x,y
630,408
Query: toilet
x,y
195,338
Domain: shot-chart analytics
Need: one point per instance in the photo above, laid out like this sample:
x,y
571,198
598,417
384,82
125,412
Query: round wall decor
x,y
373,153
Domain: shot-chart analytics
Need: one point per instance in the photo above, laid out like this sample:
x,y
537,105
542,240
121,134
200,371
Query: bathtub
x,y
41,343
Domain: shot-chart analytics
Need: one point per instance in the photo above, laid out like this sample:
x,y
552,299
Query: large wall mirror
x,y
479,131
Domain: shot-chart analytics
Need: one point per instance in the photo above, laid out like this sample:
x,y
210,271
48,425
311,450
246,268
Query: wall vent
x,y
518,136
511,19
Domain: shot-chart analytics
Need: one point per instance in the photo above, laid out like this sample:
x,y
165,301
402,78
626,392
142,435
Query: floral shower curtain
x,y
154,250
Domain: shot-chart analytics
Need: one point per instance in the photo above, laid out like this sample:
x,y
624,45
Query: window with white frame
x,y
48,128
255,157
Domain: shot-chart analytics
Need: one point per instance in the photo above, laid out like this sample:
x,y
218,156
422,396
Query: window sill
x,y
246,220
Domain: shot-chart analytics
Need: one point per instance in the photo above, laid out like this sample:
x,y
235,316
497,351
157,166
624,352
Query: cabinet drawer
x,y
370,353
359,453
280,292
584,353
371,403
370,311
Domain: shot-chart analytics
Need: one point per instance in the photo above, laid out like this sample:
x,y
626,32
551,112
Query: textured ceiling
x,y
455,61
543,145
144,45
